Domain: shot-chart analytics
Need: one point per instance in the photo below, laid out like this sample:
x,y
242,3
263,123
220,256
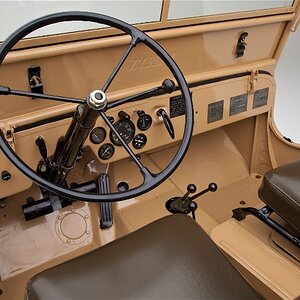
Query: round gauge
x,y
106,151
139,141
126,129
144,122
98,135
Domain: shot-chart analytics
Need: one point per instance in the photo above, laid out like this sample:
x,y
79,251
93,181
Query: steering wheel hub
x,y
97,100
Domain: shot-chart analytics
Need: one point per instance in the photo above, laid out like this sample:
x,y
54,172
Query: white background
x,y
287,101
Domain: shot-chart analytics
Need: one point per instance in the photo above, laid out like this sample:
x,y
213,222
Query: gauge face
x,y
144,122
139,141
126,129
98,135
106,151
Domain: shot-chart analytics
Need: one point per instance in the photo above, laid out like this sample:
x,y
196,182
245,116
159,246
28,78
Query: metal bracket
x,y
252,81
8,131
263,214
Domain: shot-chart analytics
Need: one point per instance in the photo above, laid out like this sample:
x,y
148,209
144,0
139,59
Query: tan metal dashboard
x,y
225,89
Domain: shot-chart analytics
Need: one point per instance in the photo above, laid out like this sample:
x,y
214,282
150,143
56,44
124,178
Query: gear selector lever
x,y
186,203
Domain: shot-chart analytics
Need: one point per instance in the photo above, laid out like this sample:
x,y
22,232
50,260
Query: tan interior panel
x,y
234,142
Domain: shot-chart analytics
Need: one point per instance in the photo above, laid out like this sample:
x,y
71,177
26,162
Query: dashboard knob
x,y
140,113
123,115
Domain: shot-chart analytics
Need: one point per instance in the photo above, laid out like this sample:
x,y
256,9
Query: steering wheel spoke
x,y
4,90
110,79
167,87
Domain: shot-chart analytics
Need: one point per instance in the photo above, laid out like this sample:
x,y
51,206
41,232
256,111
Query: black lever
x,y
212,187
40,142
186,204
167,121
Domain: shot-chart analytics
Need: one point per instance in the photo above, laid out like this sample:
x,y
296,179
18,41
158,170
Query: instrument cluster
x,y
127,130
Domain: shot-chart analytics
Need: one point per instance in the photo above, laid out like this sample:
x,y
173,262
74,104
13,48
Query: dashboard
x,y
219,98
215,105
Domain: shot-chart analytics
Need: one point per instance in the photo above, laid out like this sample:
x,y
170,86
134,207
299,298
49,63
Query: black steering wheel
x,y
150,180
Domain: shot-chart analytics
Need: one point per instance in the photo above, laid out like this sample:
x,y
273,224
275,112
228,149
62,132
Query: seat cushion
x,y
172,258
280,190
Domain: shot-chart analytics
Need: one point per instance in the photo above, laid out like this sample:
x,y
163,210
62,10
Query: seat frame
x,y
263,214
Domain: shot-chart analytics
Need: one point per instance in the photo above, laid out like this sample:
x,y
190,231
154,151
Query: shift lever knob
x,y
191,188
212,187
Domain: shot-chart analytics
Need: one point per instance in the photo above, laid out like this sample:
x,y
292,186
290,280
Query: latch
x,y
9,135
252,81
35,81
241,44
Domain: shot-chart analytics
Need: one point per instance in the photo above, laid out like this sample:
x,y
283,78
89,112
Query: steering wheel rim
x,y
149,182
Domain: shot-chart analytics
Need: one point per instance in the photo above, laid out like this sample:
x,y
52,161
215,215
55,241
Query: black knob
x,y
212,187
191,188
123,115
193,206
140,113
5,175
111,119
40,142
123,186
168,86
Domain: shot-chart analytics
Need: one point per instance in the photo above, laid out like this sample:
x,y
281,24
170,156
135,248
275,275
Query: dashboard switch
x,y
167,121
144,121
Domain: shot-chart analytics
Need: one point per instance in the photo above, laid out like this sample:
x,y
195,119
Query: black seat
x,y
280,190
172,258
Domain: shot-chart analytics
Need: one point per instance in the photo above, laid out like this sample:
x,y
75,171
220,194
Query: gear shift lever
x,y
186,203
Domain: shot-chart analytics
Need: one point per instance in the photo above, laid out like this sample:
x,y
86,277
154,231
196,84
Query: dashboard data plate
x,y
260,98
215,111
177,106
238,104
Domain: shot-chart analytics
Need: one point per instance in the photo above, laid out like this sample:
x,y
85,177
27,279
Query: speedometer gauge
x,y
126,129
